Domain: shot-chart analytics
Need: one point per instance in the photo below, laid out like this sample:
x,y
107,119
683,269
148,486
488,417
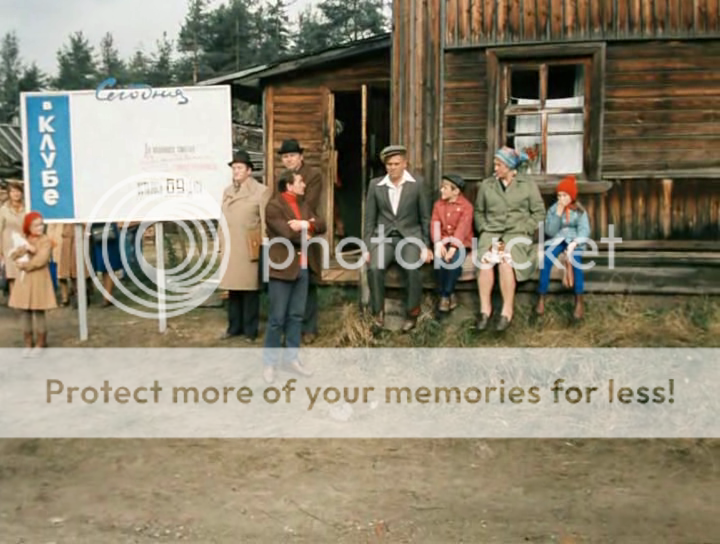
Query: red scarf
x,y
291,199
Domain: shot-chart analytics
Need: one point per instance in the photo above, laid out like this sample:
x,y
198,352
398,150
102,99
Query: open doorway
x,y
361,131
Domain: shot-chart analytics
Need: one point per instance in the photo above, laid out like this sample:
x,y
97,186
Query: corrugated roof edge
x,y
250,77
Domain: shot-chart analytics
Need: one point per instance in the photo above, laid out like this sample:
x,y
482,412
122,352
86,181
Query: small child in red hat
x,y
568,225
33,293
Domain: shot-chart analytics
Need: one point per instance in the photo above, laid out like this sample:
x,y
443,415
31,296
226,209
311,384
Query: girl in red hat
x,y
33,293
568,225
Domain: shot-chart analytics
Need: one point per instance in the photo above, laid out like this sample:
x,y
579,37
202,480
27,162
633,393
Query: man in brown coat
x,y
243,207
293,160
290,223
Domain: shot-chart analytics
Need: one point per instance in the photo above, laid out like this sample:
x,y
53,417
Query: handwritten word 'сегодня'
x,y
105,92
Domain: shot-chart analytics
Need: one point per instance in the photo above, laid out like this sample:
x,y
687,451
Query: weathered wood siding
x,y
297,107
416,82
662,107
483,22
346,76
656,209
465,107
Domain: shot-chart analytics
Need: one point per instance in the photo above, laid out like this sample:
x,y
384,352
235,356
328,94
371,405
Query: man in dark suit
x,y
290,219
398,209
291,154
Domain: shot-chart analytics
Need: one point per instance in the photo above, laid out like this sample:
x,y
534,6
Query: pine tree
x,y
76,65
111,65
161,68
10,74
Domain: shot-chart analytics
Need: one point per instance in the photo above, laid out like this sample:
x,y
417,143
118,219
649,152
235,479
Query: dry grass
x,y
610,321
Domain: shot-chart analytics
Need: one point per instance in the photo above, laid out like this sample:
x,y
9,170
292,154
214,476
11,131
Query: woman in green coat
x,y
508,210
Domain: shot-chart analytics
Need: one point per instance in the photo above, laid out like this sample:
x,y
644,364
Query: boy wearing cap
x,y
399,208
568,224
291,155
451,233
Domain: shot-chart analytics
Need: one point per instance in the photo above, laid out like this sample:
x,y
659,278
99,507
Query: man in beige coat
x,y
243,207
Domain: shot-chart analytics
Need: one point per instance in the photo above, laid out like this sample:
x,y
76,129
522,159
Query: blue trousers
x,y
446,279
547,268
285,317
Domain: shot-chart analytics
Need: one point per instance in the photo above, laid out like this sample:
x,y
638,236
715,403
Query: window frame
x,y
498,68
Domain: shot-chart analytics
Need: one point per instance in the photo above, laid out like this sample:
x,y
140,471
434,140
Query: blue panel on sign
x,y
50,172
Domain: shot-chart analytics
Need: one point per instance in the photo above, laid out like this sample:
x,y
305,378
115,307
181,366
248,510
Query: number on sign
x,y
170,186
181,185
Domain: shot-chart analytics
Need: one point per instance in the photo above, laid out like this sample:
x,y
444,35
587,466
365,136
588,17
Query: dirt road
x,y
343,491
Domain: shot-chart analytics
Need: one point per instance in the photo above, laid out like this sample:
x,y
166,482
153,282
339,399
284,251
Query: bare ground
x,y
357,491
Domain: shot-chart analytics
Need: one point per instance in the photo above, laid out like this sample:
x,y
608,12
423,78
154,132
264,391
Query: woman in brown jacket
x,y
11,219
33,293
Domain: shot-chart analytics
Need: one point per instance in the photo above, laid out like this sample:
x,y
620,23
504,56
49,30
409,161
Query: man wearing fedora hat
x,y
398,207
291,154
243,207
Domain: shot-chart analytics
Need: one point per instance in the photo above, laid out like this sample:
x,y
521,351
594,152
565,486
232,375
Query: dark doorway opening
x,y
352,141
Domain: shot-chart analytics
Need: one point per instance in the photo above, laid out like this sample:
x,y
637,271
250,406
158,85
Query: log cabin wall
x,y
417,55
662,107
661,130
297,105
485,22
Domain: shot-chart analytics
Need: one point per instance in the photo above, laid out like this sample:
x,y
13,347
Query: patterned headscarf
x,y
510,157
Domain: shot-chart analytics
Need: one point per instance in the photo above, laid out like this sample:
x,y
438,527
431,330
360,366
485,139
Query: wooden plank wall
x,y
297,107
657,209
465,110
662,107
296,112
484,22
348,75
416,84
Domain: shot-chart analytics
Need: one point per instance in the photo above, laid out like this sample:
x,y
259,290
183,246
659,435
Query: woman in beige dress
x,y
33,293
11,219
64,254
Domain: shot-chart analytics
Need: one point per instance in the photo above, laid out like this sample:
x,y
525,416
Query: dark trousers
x,y
310,321
243,313
379,262
547,268
447,278
285,317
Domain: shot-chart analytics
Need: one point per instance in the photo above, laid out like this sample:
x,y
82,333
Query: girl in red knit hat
x,y
568,225
33,293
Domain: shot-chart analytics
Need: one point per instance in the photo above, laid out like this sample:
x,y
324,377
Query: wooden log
x,y
477,21
615,216
666,208
653,206
627,203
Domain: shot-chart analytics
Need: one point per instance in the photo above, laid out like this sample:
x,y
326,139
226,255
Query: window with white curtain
x,y
544,113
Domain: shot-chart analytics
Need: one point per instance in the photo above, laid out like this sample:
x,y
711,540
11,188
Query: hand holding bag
x,y
254,242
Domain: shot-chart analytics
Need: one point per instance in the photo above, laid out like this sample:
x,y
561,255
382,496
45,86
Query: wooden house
x,y
625,94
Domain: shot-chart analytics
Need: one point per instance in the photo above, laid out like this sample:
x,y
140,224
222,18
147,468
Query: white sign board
x,y
113,154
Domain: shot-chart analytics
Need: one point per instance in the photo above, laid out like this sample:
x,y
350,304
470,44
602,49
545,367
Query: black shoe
x,y
503,324
482,323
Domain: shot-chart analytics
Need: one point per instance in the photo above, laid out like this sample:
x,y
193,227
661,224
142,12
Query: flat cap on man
x,y
391,151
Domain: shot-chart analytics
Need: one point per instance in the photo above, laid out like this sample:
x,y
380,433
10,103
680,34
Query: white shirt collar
x,y
406,177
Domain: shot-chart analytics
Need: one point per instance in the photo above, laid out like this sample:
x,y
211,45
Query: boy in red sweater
x,y
451,233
